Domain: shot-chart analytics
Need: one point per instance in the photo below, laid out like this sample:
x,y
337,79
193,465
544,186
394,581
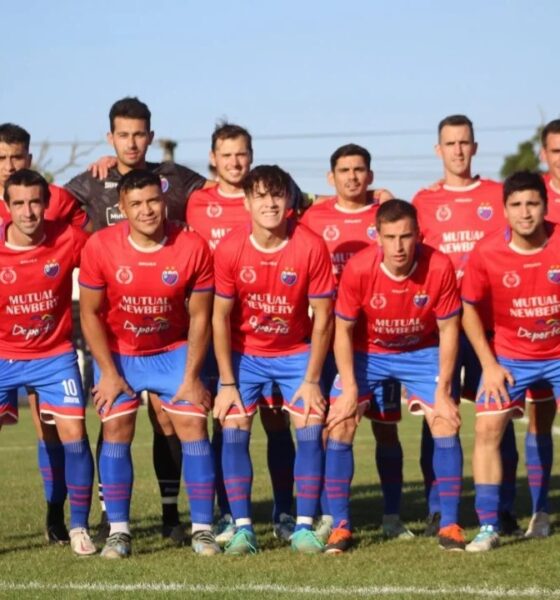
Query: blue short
x,y
535,374
55,379
160,373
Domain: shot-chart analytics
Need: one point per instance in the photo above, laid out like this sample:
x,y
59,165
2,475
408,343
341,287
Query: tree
x,y
525,159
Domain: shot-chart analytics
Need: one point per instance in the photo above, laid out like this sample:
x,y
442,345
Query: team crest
x,y
164,184
378,301
51,268
443,213
511,279
554,274
248,275
170,276
8,275
124,275
331,233
288,276
371,232
485,211
420,299
214,210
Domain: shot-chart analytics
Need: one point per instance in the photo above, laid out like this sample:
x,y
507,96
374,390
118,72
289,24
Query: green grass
x,y
413,569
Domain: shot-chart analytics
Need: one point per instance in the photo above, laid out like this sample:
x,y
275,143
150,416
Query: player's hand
x,y
100,168
446,408
494,379
345,407
312,398
107,390
195,392
382,195
227,397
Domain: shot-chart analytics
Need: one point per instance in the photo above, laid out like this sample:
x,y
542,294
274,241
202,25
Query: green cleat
x,y
306,542
243,542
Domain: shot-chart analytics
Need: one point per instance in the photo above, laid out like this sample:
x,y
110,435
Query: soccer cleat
x,y
118,545
339,541
432,524
81,543
57,534
103,530
224,530
485,540
176,534
451,537
395,529
306,542
242,542
323,528
509,524
539,526
284,528
204,543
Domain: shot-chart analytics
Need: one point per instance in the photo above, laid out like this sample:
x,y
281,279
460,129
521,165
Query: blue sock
x,y
510,459
427,466
221,494
238,474
115,464
389,460
448,467
79,480
51,464
339,471
308,472
538,457
199,475
486,503
281,454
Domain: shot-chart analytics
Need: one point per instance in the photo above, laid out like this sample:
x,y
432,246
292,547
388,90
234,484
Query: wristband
x,y
228,384
311,382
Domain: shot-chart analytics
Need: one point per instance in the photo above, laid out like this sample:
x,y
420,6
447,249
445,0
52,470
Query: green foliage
x,y
525,159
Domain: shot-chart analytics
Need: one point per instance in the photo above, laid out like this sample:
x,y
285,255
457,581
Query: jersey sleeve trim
x,y
469,301
345,317
91,287
205,289
450,315
226,296
325,295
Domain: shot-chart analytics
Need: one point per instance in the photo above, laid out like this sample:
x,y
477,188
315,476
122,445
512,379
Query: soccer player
x,y
213,212
347,224
135,279
550,155
512,275
268,275
397,318
37,258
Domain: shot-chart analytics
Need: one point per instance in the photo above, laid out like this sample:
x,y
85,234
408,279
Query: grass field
x,y
375,568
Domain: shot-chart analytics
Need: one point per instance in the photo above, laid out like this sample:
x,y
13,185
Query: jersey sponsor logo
x,y
110,185
214,210
378,301
164,184
40,325
443,213
113,215
288,276
371,232
420,298
331,233
511,279
124,275
148,326
485,211
248,275
269,324
554,274
170,276
51,268
8,275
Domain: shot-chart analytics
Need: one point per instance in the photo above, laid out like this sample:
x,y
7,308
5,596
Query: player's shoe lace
x,y
81,543
243,542
306,542
486,539
451,537
394,528
118,545
224,530
204,543
284,528
539,526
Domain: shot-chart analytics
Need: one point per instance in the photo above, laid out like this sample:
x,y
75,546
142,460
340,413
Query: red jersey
x,y
397,314
62,207
213,214
553,212
345,231
523,290
146,289
453,219
36,293
271,289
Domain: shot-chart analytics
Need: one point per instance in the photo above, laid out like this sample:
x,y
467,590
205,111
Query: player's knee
x,y
344,431
119,429
386,434
70,430
489,429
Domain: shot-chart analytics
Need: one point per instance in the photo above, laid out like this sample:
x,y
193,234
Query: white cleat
x,y
81,543
539,526
485,540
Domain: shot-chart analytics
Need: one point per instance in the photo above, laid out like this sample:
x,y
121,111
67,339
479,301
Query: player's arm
x,y
192,388
444,404
110,384
494,376
228,395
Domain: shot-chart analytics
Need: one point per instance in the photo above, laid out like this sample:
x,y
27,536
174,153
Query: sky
x,y
303,76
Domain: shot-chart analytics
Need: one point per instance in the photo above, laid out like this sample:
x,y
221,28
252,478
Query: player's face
x,y
130,139
145,210
525,212
232,161
27,210
398,241
351,178
13,157
456,149
268,210
550,155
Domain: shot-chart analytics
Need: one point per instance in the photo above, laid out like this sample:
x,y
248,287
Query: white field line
x,y
373,591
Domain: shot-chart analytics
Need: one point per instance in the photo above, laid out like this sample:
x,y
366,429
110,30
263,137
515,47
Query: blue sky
x,y
310,69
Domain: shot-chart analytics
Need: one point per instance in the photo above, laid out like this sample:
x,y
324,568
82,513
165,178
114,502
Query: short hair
x,y
14,134
350,150
456,121
524,180
137,179
230,131
129,108
552,127
273,178
395,210
27,178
